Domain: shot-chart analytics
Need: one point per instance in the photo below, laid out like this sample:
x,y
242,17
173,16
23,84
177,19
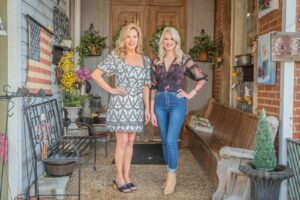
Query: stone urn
x,y
73,114
265,185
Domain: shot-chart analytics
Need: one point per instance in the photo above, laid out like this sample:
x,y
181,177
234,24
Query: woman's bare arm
x,y
97,76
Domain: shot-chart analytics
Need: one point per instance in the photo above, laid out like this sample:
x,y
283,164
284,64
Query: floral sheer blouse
x,y
173,79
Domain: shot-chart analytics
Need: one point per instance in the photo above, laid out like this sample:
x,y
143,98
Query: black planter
x,y
266,185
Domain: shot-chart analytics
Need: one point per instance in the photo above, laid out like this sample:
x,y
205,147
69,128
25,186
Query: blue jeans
x,y
170,113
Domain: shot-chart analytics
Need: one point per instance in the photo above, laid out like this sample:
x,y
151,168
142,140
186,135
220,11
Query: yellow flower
x,y
69,81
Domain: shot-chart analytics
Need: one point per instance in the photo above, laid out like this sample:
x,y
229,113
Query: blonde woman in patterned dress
x,y
128,108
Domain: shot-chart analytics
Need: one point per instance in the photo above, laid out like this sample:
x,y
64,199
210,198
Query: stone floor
x,y
192,182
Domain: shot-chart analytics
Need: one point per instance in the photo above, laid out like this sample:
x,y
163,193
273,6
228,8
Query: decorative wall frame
x,y
266,69
285,46
60,24
39,58
267,6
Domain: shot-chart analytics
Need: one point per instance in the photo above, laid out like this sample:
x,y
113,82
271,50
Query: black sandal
x,y
132,186
123,188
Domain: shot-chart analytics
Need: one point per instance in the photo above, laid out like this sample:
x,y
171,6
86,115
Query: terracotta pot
x,y
203,56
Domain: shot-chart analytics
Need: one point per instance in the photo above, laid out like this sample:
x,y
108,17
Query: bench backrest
x,y
245,135
44,124
231,126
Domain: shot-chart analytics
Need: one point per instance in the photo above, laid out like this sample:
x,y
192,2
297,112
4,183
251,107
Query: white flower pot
x,y
73,116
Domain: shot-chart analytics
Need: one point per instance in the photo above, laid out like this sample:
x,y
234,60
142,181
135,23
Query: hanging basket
x,y
203,56
93,50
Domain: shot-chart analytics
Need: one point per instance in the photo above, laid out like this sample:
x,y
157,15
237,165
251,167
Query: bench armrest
x,y
228,165
232,152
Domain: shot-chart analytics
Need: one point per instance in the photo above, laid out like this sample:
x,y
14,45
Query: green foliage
x,y
203,43
90,39
73,99
117,35
264,158
155,40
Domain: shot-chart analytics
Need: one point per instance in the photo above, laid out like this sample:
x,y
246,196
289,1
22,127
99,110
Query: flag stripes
x,y
39,64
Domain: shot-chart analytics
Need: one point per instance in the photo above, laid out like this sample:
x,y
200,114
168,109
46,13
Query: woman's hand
x,y
153,119
118,91
147,116
181,93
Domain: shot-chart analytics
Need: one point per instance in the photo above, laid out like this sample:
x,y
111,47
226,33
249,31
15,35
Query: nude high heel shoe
x,y
171,183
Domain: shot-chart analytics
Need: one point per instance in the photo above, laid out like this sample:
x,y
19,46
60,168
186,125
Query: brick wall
x,y
297,87
221,74
269,96
217,73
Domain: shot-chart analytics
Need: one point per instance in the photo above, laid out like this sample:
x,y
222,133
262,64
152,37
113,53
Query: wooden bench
x,y
232,127
50,145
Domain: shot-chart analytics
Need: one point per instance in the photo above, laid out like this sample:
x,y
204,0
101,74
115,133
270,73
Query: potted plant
x,y
204,48
84,74
264,172
91,43
69,86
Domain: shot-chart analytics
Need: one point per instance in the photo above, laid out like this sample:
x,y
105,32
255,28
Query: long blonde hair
x,y
161,51
120,44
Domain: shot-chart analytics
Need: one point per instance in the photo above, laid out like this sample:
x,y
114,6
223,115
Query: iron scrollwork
x,y
60,24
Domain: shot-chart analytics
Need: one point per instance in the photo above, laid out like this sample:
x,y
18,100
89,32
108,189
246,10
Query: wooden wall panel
x,y
167,2
130,2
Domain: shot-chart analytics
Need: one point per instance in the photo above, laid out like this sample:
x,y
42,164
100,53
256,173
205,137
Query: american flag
x,y
39,64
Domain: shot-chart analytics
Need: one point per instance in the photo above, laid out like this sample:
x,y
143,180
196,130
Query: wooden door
x,y
173,16
122,14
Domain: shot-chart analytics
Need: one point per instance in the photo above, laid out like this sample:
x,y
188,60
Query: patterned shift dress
x,y
126,112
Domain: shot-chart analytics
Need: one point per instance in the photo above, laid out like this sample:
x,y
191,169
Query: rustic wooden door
x,y
149,14
122,14
167,15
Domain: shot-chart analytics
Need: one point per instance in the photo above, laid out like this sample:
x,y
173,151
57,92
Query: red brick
x,y
297,112
296,135
297,104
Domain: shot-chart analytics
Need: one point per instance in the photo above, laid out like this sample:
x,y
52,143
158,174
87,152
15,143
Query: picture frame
x,y
285,46
267,6
266,69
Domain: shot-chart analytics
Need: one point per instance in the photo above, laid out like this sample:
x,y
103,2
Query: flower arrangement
x,y
69,81
83,74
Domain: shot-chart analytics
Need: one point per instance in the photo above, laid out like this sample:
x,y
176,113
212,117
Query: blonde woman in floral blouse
x,y
168,99
128,109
